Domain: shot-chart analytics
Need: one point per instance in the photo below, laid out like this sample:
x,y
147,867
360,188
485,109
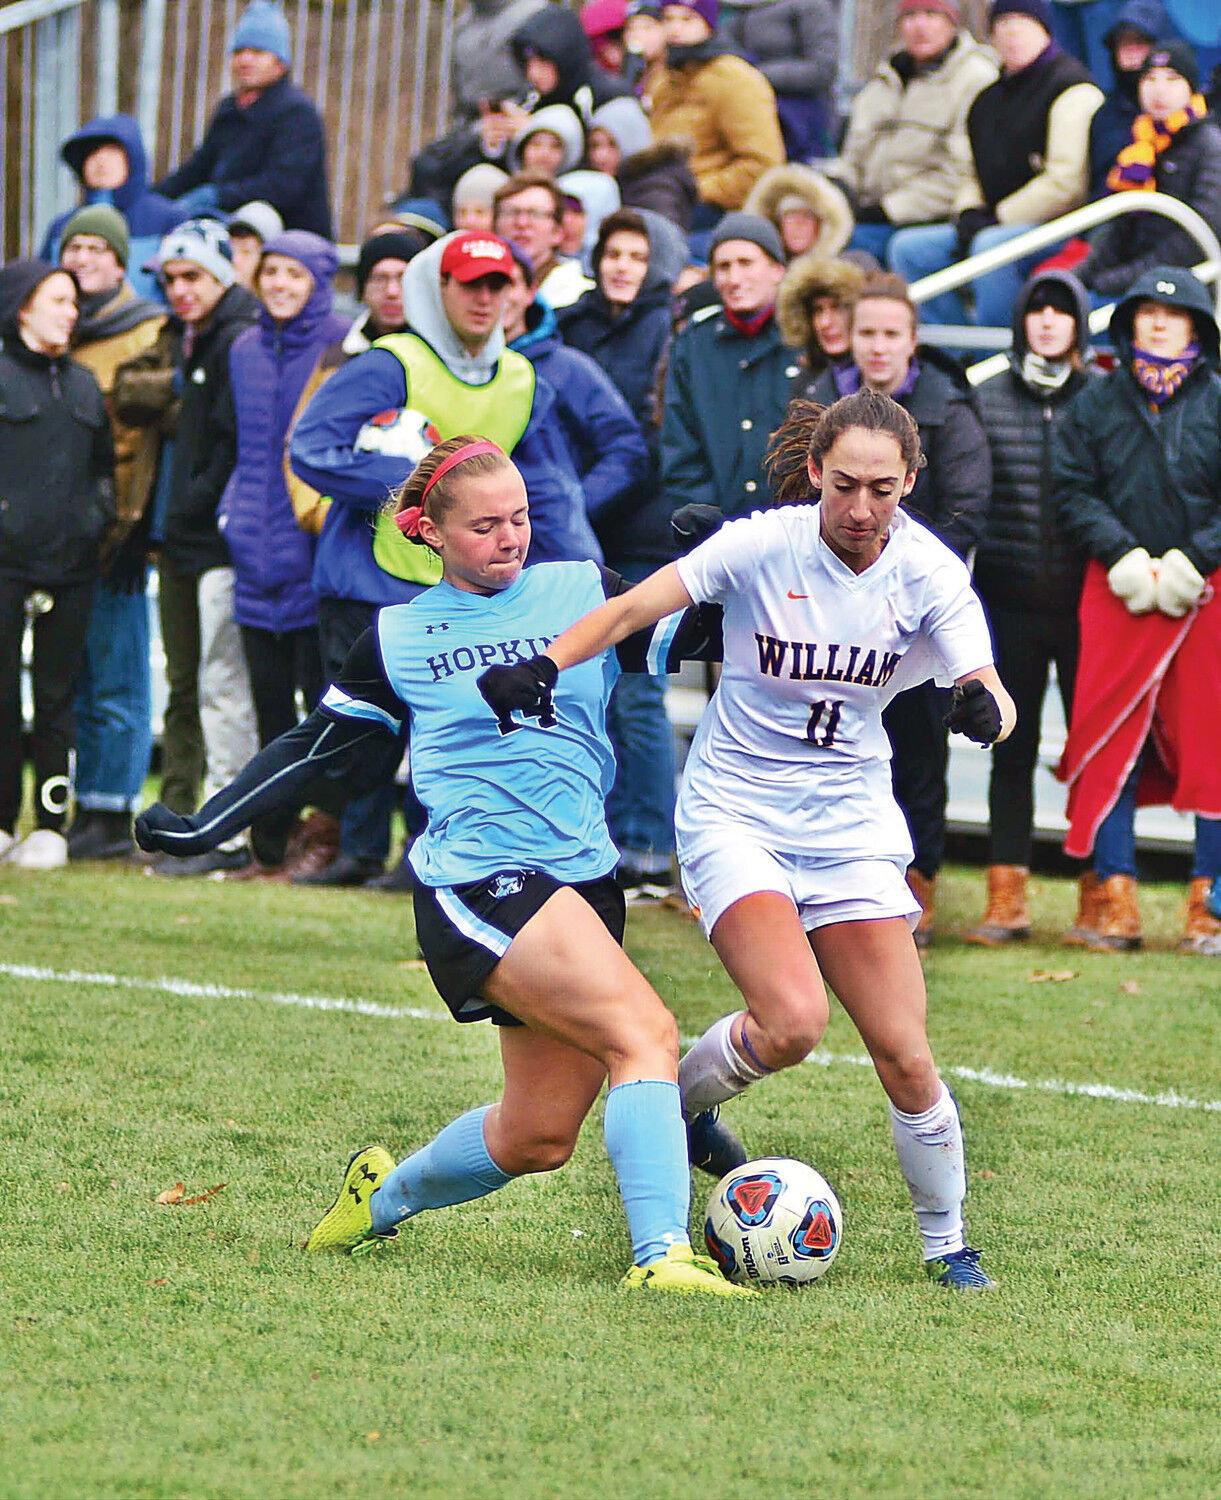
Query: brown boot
x,y
1119,919
1201,930
1007,918
1089,912
924,890
315,846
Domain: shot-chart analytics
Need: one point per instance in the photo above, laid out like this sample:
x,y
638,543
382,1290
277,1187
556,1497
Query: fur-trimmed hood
x,y
811,275
826,201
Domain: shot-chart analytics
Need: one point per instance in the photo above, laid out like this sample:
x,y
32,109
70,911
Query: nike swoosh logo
x,y
792,595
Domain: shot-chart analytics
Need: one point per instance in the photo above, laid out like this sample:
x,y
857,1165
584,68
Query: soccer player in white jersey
x,y
792,846
517,911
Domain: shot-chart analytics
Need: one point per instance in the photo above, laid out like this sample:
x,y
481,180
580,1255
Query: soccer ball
x,y
399,433
773,1220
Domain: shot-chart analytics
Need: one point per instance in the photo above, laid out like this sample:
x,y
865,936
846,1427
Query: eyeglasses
x,y
537,215
383,281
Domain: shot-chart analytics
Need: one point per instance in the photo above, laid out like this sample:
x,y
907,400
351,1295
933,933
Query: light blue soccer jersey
x,y
531,799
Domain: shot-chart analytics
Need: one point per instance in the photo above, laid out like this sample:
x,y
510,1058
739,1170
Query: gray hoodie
x,y
425,315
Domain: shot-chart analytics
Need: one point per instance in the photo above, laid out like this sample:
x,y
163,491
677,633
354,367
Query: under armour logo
x,y
432,629
367,1176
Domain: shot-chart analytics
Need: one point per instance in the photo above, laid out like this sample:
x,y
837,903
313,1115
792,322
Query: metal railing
x,y
1043,237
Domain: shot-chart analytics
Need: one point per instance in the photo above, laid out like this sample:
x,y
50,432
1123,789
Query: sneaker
x,y
643,887
7,844
101,835
44,849
215,862
401,880
348,1223
347,870
711,1146
682,1270
960,1271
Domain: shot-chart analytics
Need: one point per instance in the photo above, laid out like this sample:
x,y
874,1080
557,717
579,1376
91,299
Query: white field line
x,y
188,989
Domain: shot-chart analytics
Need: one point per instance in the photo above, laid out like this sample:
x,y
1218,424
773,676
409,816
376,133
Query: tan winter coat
x,y
825,200
907,148
727,110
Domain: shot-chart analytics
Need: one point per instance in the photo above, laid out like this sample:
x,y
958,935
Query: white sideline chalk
x,y
189,989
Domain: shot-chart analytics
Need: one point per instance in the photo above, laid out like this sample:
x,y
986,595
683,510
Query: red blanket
x,y
1143,677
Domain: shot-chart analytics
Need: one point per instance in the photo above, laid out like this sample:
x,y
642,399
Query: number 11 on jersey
x,y
824,721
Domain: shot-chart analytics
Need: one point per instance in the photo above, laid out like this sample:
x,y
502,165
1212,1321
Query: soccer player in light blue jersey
x,y
517,910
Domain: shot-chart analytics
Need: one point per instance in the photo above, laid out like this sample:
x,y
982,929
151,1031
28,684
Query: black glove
x,y
156,822
526,687
970,222
692,524
974,712
127,572
872,213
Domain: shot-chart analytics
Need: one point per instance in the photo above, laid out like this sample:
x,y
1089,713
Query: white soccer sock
x,y
934,1167
714,1070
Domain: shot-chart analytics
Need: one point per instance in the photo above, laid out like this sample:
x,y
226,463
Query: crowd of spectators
x,y
647,231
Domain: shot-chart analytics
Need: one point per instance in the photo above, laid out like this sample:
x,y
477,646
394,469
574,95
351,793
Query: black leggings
x,y
59,654
1026,645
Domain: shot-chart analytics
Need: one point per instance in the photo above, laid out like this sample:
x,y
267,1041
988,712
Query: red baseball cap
x,y
474,253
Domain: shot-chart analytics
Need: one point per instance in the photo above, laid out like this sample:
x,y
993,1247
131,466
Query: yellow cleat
x,y
683,1271
348,1223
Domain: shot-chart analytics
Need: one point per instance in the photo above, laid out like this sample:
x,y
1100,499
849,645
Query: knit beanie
x,y
394,244
257,218
1053,293
478,184
19,280
264,26
105,222
1179,57
203,242
950,9
1037,10
751,227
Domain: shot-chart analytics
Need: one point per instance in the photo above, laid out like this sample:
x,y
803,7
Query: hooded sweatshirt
x,y
55,452
561,121
323,451
149,216
554,32
269,364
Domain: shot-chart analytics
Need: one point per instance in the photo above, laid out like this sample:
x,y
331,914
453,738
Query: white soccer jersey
x,y
791,748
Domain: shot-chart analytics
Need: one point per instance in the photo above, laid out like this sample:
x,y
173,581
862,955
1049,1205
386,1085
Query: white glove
x,y
1179,584
1133,580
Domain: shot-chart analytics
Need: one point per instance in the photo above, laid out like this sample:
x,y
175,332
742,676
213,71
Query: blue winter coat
x,y
149,216
604,438
274,149
269,364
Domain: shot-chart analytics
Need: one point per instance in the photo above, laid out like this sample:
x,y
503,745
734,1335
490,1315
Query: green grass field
x,y
151,1350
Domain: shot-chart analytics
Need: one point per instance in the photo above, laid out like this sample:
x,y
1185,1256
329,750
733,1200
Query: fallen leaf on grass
x,y
63,1187
372,1437
985,1175
159,1281
1054,976
176,1195
184,921
7,900
1130,986
412,963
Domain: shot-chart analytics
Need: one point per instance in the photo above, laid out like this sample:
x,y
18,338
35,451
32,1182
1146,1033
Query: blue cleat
x,y
711,1146
961,1271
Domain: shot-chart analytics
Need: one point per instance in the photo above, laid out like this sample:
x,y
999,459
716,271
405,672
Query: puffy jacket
x,y
273,149
1190,170
1126,476
1111,127
725,395
952,493
149,215
794,44
55,453
190,399
906,147
603,436
1024,561
660,179
727,111
269,365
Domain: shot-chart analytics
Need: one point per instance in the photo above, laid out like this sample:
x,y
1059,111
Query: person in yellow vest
x,y
367,427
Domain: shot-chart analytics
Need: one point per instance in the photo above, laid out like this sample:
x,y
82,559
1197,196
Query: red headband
x,y
408,519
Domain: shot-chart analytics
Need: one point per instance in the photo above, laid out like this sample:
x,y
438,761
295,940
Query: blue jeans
x,y
640,808
873,239
114,707
1115,843
918,252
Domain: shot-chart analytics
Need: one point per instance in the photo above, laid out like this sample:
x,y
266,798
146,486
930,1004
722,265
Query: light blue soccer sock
x,y
647,1145
453,1168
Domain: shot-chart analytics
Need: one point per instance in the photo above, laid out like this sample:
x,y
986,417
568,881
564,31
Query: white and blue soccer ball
x,y
774,1220
399,433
